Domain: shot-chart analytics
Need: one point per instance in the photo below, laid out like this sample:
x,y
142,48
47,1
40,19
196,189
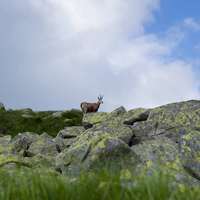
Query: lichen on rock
x,y
189,148
165,138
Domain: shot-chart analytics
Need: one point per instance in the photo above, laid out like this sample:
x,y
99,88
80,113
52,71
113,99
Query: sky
x,y
55,54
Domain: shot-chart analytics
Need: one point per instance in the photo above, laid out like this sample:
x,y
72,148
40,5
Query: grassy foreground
x,y
12,122
96,185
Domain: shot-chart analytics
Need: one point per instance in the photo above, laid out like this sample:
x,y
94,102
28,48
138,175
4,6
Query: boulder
x,y
173,120
44,147
2,107
114,128
89,119
27,116
5,141
136,115
46,136
100,149
107,134
70,132
162,155
41,161
5,146
189,148
26,110
118,112
56,114
62,144
166,138
9,157
22,141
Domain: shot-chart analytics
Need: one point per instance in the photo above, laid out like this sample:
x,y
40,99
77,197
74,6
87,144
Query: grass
x,y
96,185
12,122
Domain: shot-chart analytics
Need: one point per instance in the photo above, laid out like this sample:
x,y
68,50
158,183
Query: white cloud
x,y
190,22
93,47
73,17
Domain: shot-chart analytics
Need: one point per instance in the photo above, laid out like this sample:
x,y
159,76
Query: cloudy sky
x,y
55,54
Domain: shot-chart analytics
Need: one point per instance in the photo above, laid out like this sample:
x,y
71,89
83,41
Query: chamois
x,y
91,107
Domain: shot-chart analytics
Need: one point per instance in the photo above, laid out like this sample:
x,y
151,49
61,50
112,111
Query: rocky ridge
x,y
141,140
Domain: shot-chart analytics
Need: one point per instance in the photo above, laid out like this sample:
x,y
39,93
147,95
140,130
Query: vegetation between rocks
x,y
99,184
12,122
155,151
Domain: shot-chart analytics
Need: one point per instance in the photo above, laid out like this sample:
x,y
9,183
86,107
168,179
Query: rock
x,y
166,138
40,161
140,132
162,149
118,112
89,119
99,150
46,136
67,120
70,132
189,148
23,140
62,144
2,107
5,146
26,110
114,128
106,136
27,116
173,120
162,155
56,114
9,150
136,115
5,141
8,154
8,158
43,146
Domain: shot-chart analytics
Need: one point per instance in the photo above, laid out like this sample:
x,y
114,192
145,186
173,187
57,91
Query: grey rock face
x,y
166,138
70,132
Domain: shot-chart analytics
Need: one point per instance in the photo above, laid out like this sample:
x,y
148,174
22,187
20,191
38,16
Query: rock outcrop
x,y
2,107
141,140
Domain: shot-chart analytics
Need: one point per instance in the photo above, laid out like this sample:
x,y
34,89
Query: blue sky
x,y
55,54
172,13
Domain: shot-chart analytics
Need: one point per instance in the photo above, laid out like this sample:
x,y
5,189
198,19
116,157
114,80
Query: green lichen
x,y
187,148
126,174
187,137
149,164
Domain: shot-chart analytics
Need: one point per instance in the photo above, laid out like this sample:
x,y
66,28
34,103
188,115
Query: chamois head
x,y
100,98
91,107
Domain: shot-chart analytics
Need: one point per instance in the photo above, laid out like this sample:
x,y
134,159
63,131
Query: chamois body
x,y
91,107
